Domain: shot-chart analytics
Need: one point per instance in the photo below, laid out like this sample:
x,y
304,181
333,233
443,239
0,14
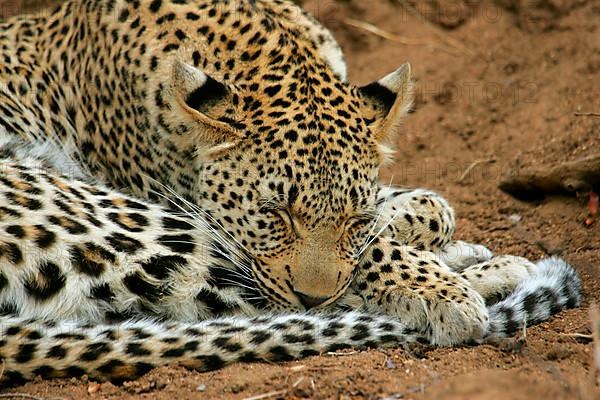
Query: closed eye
x,y
358,221
281,212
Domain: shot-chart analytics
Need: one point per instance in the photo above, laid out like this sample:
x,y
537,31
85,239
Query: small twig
x,y
267,395
473,165
586,114
578,335
396,38
298,382
335,354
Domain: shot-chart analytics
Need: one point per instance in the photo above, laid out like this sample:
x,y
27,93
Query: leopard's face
x,y
302,218
296,186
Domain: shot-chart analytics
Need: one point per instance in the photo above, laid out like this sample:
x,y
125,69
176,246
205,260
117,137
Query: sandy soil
x,y
498,87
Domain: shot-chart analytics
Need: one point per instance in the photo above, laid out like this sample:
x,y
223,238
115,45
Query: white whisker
x,y
365,245
204,225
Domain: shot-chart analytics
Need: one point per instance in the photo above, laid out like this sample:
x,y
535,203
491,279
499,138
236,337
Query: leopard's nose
x,y
309,301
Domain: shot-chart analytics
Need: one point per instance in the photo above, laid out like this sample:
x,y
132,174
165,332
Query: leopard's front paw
x,y
425,294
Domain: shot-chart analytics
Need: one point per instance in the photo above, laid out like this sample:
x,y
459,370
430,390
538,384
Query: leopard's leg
x,y
424,293
424,219
446,303
402,273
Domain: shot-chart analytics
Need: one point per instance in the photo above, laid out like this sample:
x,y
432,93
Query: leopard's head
x,y
288,165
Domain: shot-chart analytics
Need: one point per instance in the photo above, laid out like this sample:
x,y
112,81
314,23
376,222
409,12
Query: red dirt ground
x,y
498,84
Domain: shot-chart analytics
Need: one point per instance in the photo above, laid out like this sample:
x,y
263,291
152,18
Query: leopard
x,y
196,182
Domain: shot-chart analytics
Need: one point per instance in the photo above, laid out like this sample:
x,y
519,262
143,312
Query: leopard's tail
x,y
553,286
118,352
30,348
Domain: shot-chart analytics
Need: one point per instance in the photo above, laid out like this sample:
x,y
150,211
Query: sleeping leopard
x,y
196,182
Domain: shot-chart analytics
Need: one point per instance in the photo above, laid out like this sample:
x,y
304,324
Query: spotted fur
x,y
195,182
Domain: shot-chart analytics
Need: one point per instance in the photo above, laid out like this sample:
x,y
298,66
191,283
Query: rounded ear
x,y
204,101
389,98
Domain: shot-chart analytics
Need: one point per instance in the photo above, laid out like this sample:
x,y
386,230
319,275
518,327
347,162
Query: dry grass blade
x,y
340,354
587,114
399,39
578,336
473,165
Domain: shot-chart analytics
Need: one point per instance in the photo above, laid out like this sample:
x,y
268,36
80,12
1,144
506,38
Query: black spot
x,y
47,282
44,371
337,346
170,47
102,292
25,352
13,330
124,243
223,277
248,356
377,255
109,367
137,349
44,238
155,5
16,230
360,332
177,224
280,353
3,281
180,34
34,335
141,368
75,371
135,205
161,266
259,337
139,220
433,225
94,351
85,260
213,302
372,276
123,15
136,284
23,201
225,343
183,243
212,362
306,339
385,268
272,90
